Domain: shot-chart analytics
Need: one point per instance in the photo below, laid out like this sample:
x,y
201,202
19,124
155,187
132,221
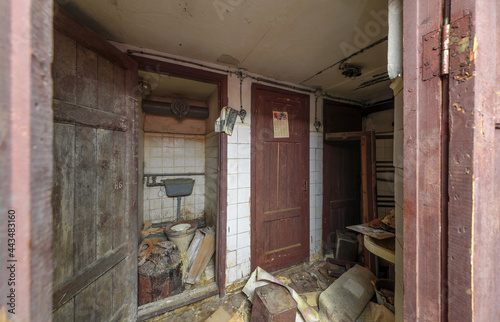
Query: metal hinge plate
x,y
448,51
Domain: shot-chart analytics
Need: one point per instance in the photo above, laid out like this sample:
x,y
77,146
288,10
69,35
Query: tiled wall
x,y
238,204
170,153
316,192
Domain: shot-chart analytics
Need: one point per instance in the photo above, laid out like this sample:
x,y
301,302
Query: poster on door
x,y
280,125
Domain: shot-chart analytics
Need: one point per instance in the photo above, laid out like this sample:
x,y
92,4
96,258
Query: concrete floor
x,y
309,280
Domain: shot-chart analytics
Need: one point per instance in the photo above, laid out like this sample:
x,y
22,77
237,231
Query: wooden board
x,y
205,252
372,232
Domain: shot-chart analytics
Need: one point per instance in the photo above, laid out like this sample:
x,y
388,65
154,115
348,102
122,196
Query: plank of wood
x,y
119,191
79,115
104,297
105,77
194,247
85,197
62,202
105,188
119,92
206,251
85,304
81,280
151,310
86,77
65,313
365,229
64,68
120,274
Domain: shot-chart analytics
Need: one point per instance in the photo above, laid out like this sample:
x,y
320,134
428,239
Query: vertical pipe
x,y
445,143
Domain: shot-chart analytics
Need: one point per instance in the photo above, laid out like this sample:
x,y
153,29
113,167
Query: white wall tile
x,y
232,243
244,135
243,225
231,259
244,239
243,210
243,151
244,180
232,212
232,181
232,227
232,166
244,166
232,196
242,255
243,195
232,151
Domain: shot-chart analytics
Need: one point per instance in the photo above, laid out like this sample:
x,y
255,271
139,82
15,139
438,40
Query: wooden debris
x,y
194,247
205,252
148,229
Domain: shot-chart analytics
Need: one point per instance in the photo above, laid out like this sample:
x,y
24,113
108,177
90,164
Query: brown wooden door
x,y
95,177
341,188
280,178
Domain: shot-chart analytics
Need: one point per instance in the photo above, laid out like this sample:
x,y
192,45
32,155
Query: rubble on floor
x,y
308,282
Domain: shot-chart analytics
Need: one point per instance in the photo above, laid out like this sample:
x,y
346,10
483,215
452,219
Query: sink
x,y
178,187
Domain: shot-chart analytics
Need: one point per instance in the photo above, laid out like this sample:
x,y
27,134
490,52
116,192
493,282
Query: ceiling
x,y
297,41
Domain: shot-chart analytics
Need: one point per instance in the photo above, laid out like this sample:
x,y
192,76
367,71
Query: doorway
x,y
185,148
280,167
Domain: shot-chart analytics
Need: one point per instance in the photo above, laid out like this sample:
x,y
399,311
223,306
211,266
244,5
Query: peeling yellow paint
x,y
468,291
458,108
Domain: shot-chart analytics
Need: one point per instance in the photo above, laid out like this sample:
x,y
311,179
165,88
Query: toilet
x,y
181,233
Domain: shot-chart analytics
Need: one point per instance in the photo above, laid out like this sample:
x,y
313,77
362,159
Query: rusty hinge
x,y
448,50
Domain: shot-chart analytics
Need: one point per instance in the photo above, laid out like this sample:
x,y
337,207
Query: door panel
x,y
280,167
342,188
95,177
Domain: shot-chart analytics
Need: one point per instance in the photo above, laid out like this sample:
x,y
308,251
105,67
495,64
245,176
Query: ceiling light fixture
x,y
350,71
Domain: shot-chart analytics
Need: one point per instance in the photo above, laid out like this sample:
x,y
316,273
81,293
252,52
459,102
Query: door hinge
x,y
445,49
448,51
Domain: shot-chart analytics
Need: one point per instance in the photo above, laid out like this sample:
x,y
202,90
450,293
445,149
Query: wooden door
x,y
341,171
95,177
280,179
341,188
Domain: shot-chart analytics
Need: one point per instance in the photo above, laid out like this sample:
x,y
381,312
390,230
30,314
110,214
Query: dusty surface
x,y
309,280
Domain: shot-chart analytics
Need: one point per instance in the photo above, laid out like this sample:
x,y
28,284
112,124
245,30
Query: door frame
x,y
181,71
451,191
368,181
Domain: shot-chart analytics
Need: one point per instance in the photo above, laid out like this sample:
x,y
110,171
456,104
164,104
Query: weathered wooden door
x,y
280,178
95,177
341,171
341,188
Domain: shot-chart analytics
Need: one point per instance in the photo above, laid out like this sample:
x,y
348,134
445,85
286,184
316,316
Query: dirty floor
x,y
309,280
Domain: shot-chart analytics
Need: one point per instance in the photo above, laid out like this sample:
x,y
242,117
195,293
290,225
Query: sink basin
x,y
178,187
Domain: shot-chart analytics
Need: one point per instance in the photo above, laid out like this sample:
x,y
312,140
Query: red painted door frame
x,y
451,222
